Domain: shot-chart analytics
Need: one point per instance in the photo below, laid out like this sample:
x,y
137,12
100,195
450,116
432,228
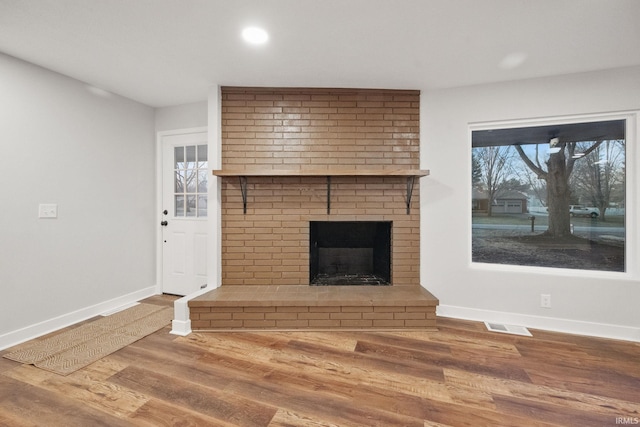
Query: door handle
x,y
164,223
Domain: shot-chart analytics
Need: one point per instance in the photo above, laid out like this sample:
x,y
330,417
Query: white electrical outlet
x,y
47,210
545,300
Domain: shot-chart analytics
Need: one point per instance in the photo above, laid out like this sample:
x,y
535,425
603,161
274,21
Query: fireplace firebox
x,y
350,253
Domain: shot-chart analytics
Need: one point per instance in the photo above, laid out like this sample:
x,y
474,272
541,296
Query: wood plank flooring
x,y
461,375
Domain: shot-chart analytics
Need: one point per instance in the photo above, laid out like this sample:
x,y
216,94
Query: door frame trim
x,y
158,217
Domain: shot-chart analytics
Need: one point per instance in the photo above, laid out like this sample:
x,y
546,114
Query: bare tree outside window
x,y
495,167
600,177
550,196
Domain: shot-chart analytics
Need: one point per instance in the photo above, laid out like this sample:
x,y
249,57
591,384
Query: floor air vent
x,y
508,329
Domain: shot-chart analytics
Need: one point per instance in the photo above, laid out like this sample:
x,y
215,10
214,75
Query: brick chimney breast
x,y
320,129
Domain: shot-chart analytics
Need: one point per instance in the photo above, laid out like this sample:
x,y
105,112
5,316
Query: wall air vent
x,y
508,329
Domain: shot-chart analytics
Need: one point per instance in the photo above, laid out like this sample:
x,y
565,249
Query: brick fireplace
x,y
298,160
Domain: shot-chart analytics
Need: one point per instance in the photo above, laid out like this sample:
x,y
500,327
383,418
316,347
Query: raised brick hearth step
x,y
313,307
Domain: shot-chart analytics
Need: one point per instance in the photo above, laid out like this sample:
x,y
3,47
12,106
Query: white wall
x,y
93,154
586,303
184,116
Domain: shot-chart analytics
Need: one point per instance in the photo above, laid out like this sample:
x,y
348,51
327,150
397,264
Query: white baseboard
x,y
181,324
36,330
577,327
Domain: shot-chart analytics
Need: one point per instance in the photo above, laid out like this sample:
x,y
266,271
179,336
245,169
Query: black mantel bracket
x,y
410,182
243,191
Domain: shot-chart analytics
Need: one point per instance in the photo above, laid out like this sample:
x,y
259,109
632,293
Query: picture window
x,y
550,195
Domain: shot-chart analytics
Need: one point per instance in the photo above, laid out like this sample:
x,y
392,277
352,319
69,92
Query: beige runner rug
x,y
69,351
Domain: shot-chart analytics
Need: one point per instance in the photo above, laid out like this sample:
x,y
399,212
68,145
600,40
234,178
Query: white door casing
x,y
184,212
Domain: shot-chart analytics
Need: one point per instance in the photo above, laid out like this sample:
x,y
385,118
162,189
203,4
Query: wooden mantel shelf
x,y
242,174
321,172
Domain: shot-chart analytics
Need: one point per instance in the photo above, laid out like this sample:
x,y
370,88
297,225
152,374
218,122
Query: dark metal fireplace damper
x,y
349,253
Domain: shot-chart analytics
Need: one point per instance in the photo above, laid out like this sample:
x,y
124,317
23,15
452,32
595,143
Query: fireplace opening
x,y
350,253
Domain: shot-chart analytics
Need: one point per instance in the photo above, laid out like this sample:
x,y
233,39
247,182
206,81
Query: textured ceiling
x,y
169,52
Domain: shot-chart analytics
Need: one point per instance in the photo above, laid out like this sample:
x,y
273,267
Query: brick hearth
x,y
313,307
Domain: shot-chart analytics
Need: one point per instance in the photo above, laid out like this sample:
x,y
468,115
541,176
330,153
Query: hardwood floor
x,y
461,375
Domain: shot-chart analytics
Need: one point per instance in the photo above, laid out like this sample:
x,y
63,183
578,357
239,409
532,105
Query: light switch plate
x,y
48,210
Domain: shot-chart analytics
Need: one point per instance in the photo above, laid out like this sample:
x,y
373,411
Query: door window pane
x,y
179,205
202,156
179,181
202,205
191,156
202,181
178,157
191,181
191,206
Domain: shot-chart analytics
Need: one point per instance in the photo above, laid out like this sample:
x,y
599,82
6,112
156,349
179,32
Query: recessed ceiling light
x,y
255,35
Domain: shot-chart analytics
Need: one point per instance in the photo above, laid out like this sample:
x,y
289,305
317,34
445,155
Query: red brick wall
x,y
318,129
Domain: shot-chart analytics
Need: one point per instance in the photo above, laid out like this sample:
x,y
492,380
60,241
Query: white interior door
x,y
185,182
